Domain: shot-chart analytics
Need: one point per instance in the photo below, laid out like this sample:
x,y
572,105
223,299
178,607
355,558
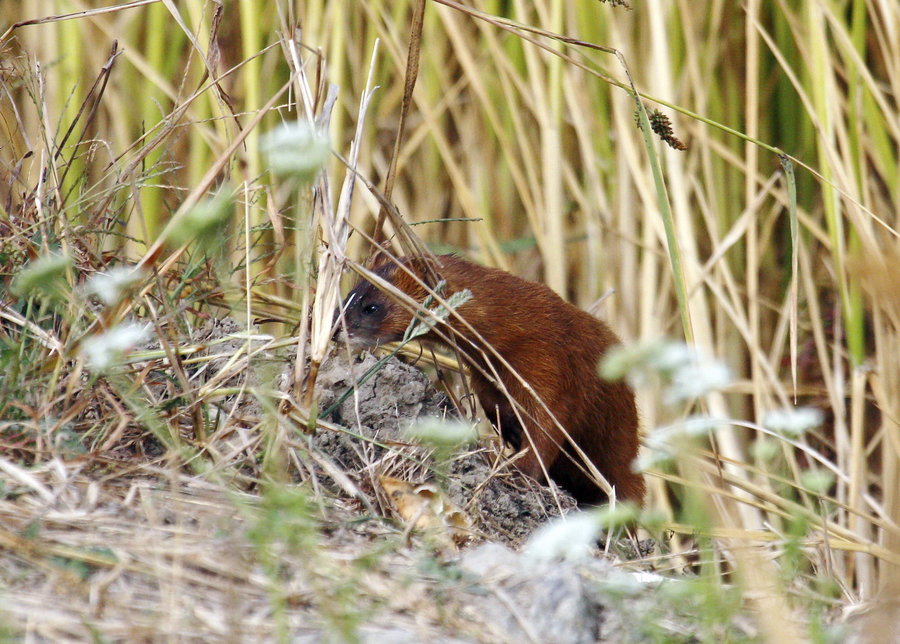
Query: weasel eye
x,y
370,309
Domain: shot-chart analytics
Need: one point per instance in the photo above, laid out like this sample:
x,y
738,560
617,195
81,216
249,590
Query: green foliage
x,y
285,519
9,634
45,276
204,223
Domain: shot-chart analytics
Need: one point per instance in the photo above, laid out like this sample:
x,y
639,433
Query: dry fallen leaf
x,y
427,509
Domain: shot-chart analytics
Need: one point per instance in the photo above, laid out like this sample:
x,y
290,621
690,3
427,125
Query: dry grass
x,y
770,243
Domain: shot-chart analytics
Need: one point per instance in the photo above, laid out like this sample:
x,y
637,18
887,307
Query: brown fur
x,y
553,346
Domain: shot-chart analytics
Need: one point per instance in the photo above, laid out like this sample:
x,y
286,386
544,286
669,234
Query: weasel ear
x,y
420,265
380,255
385,260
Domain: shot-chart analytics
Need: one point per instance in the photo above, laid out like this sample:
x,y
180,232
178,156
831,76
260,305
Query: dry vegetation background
x,y
771,243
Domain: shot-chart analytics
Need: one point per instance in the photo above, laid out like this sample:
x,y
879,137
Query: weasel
x,y
554,347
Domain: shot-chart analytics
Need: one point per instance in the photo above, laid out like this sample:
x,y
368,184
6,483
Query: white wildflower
x,y
569,538
793,422
670,357
653,458
665,443
764,450
41,274
109,286
817,480
204,221
684,373
105,350
690,427
297,148
696,378
623,360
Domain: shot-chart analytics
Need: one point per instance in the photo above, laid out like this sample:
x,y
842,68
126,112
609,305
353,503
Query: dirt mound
x,y
504,505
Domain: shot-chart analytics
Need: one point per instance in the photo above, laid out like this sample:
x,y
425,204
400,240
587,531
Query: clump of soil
x,y
503,504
